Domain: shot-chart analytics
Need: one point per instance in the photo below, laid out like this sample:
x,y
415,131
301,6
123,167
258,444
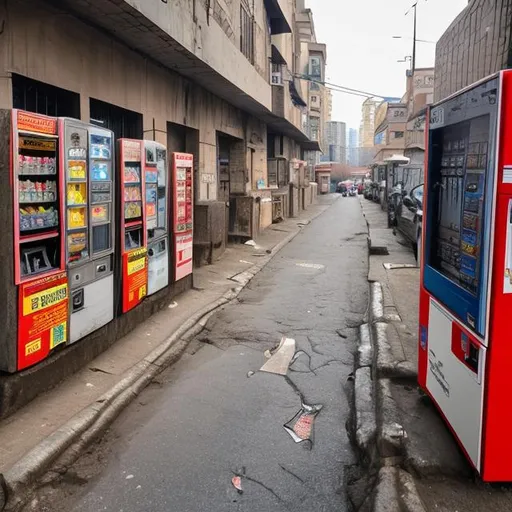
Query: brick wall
x,y
476,44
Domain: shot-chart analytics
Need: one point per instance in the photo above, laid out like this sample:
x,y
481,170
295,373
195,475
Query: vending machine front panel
x,y
155,173
183,199
88,157
133,231
460,192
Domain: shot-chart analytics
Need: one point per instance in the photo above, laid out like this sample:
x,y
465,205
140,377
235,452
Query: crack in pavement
x,y
270,490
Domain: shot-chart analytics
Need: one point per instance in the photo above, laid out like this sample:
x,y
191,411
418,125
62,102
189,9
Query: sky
x,y
361,51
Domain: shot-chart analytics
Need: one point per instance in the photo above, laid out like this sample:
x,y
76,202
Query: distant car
x,y
409,217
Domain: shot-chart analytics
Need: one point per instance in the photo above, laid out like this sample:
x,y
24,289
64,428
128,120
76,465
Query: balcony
x,y
185,39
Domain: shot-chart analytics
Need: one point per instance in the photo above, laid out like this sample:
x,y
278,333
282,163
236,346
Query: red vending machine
x,y
465,341
133,232
155,175
39,233
183,197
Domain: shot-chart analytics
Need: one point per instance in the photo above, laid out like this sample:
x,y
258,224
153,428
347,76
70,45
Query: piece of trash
x,y
300,427
89,385
237,483
129,477
250,373
396,266
246,262
173,304
138,487
350,378
341,335
267,354
309,311
148,334
281,358
316,266
268,251
252,243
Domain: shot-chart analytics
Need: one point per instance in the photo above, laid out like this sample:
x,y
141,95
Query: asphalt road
x,y
208,419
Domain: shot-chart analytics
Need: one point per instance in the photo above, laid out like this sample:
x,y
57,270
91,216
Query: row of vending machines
x,y
90,214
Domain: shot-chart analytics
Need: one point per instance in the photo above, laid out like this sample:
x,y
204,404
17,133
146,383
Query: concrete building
x,y
390,131
352,147
192,75
367,128
336,137
420,92
312,62
474,46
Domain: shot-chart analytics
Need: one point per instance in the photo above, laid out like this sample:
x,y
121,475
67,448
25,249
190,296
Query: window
x,y
314,126
314,99
246,34
315,68
314,86
277,74
43,98
399,135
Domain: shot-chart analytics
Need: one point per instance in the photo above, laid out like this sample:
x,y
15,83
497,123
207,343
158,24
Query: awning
x,y
311,145
294,93
278,22
277,57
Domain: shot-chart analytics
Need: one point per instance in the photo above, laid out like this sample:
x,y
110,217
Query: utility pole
x,y
413,60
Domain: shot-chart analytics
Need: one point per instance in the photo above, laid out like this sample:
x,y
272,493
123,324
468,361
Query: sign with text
x,y
135,277
29,122
183,257
43,318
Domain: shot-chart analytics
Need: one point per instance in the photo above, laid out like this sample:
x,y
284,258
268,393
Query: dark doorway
x,y
46,99
126,124
223,160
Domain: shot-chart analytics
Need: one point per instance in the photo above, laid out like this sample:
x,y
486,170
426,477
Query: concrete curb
x,y
386,365
63,447
396,492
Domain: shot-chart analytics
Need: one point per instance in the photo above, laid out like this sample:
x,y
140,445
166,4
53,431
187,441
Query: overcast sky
x,y
361,53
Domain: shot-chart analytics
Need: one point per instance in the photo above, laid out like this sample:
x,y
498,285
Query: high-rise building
x,y
367,129
335,134
353,147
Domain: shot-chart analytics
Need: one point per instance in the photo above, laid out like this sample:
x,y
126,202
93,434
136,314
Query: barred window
x,y
246,34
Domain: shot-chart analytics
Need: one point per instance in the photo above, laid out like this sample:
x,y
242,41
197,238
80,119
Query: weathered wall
x,y
475,45
208,40
96,66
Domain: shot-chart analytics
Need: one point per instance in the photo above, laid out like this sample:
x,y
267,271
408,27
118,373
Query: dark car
x,y
409,217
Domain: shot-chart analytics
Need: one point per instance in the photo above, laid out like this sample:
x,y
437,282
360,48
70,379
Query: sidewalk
x,y
410,434
214,285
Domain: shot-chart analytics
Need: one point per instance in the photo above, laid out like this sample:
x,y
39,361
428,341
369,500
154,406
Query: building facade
x,y
475,45
312,63
353,147
196,77
367,128
336,136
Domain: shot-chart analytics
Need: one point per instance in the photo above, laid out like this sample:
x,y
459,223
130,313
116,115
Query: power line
x,y
341,88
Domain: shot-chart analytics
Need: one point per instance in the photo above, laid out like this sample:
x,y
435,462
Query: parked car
x,y
409,217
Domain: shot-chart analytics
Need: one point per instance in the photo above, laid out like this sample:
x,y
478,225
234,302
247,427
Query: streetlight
x,y
417,40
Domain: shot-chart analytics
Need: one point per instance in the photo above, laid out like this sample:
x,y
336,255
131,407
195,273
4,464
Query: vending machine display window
x,y
37,195
459,181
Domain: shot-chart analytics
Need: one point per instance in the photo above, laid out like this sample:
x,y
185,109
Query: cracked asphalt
x,y
209,418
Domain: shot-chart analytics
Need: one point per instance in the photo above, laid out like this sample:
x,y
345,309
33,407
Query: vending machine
x,y
155,176
183,199
465,340
133,232
87,157
39,234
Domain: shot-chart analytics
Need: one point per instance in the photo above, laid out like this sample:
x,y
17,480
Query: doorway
x,y
223,161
